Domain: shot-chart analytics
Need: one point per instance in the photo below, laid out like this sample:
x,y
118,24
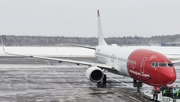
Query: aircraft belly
x,y
122,68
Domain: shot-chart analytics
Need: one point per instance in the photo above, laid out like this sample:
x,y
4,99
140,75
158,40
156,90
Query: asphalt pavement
x,y
34,80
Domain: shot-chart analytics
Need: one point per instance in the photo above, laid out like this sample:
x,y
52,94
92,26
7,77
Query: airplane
x,y
142,65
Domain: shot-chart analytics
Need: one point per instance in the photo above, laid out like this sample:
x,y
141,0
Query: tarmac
x,y
25,79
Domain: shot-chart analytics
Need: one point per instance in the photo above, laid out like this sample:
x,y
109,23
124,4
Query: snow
x,y
50,51
80,52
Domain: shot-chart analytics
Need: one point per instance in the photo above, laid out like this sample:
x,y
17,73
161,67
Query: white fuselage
x,y
118,56
114,55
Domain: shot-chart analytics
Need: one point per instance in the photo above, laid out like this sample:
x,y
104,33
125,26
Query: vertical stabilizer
x,y
101,40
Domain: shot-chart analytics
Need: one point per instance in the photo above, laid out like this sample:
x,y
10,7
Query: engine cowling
x,y
94,74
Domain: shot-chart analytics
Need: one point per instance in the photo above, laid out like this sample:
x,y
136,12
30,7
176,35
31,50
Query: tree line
x,y
25,40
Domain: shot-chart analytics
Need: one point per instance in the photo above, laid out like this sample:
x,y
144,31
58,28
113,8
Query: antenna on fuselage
x,y
101,40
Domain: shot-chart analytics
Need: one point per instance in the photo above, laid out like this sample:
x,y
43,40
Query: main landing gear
x,y
137,84
102,84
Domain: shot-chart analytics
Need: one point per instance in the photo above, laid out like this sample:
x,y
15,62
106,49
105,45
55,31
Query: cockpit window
x,y
170,64
154,64
161,64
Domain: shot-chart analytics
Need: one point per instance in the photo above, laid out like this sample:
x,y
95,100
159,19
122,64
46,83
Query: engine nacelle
x,y
94,74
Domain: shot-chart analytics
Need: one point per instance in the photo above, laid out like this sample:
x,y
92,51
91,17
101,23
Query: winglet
x,y
98,13
2,45
101,40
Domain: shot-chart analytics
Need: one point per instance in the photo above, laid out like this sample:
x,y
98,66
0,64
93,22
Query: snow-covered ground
x,y
81,52
161,49
50,51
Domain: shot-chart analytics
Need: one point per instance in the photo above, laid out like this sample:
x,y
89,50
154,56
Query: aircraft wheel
x,y
134,83
139,85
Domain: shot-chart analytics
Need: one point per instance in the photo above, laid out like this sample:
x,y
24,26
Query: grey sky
x,y
78,17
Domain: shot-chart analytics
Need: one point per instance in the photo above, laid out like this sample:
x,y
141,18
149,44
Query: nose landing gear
x,y
137,84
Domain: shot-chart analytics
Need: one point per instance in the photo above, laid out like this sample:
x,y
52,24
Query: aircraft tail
x,y
101,40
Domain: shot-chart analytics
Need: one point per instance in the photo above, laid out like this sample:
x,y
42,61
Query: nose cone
x,y
168,75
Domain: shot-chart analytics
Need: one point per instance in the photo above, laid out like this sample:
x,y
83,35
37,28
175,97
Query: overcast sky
x,y
79,17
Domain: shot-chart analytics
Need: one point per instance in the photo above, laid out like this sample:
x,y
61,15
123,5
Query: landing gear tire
x,y
102,84
134,83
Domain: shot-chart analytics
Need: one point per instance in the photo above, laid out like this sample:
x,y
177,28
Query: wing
x,y
102,66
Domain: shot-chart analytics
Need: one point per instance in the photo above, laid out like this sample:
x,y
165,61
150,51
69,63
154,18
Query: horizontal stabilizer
x,y
88,47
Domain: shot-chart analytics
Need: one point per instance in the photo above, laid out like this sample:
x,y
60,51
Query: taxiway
x,y
35,80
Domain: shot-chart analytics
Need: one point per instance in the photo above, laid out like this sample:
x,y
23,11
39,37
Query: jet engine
x,y
94,74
